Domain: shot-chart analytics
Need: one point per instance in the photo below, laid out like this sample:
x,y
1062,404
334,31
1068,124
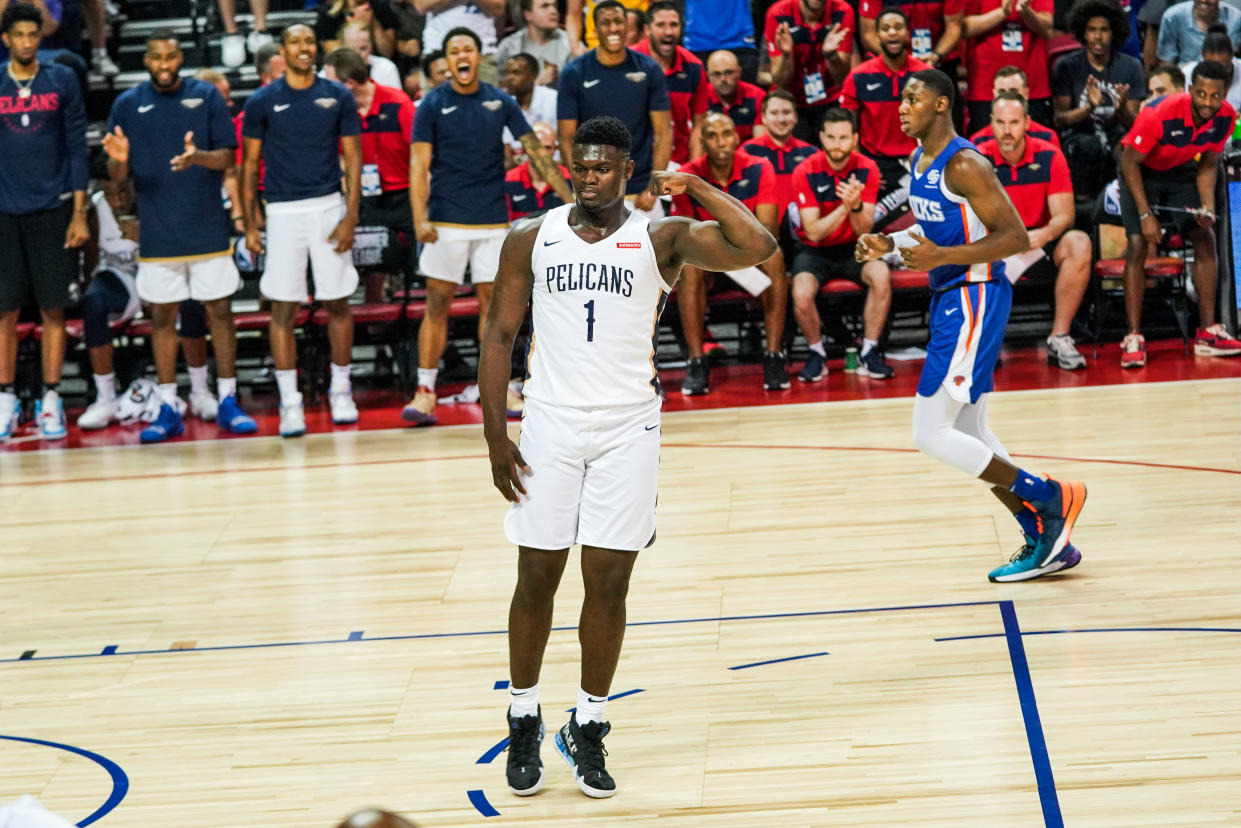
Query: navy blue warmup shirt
x,y
182,213
42,140
467,153
629,91
300,130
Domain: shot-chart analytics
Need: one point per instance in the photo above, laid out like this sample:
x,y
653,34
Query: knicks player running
x,y
966,226
587,468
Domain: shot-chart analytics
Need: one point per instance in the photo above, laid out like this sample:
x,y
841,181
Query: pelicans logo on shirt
x,y
192,103
493,105
636,77
326,103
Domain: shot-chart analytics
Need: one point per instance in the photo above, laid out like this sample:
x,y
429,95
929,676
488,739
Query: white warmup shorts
x,y
594,477
169,281
298,231
479,247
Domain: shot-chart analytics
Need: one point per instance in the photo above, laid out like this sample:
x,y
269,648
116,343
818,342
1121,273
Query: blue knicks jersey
x,y
947,219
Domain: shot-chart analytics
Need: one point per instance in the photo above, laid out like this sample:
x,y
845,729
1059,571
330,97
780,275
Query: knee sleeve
x,y
936,435
972,420
193,319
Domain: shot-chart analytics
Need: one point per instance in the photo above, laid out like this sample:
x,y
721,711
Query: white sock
x,y
99,51
426,377
867,344
819,349
50,399
523,702
340,380
105,387
286,381
589,708
168,393
198,379
226,387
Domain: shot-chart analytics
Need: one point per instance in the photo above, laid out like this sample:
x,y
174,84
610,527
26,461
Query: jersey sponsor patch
x,y
630,245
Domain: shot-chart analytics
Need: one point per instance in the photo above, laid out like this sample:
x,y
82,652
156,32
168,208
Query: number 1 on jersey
x,y
590,320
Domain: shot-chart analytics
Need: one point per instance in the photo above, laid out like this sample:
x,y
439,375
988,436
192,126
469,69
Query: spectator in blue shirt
x,y
711,25
1184,26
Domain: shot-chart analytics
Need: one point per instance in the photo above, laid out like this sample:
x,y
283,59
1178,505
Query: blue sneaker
x,y
51,421
871,364
1056,518
230,417
1021,567
167,424
814,370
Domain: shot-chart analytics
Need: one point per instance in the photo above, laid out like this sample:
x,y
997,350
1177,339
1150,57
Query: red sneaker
x,y
1216,341
1133,351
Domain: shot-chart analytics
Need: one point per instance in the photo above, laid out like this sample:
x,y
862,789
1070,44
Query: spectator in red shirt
x,y
729,94
685,75
810,43
1158,171
935,26
1036,177
528,193
751,181
1012,79
784,153
836,191
1002,32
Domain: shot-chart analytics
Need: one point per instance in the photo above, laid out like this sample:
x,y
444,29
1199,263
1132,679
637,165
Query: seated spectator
x,y
1184,25
537,102
542,38
811,50
784,152
1012,79
742,102
1132,45
1162,175
434,72
1164,79
873,91
836,191
935,27
357,37
1002,32
1217,47
579,23
635,27
528,193
479,16
1036,177
1098,92
684,74
374,15
752,181
722,25
232,45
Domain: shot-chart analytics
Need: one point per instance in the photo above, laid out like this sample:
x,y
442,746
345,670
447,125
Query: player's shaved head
x,y
376,819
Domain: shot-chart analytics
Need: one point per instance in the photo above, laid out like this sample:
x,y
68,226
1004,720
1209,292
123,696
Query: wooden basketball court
x,y
276,633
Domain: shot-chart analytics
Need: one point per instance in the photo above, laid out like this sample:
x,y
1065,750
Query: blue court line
x,y
1029,712
422,636
501,684
120,781
479,800
778,660
1096,630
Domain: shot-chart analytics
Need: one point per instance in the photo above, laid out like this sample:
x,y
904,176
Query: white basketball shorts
x,y
168,281
298,231
479,247
594,475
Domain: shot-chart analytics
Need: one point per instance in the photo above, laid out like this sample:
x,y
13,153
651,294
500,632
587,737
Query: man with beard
x,y
684,73
873,90
1217,47
1158,170
175,137
1013,79
741,101
42,208
1097,93
934,25
302,127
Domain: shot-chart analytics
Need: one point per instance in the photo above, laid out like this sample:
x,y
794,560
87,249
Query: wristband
x,y
856,209
1144,216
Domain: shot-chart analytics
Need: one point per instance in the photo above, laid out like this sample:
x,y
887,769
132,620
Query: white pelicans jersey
x,y
596,309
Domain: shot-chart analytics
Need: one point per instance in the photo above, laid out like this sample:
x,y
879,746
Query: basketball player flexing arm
x,y
588,465
967,225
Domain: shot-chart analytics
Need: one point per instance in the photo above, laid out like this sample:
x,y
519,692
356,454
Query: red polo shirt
x,y
1165,132
812,84
814,184
687,92
873,90
1034,130
783,159
1040,172
1008,43
523,197
752,182
926,18
746,107
387,128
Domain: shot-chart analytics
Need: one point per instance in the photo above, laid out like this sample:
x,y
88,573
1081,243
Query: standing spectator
x,y
935,27
784,152
408,34
175,137
1183,27
42,208
742,102
1012,79
810,43
712,25
537,102
684,74
614,80
1217,47
836,191
873,90
1036,177
296,125
232,45
1000,33
1098,92
1158,169
579,22
528,193
357,37
375,15
751,181
479,16
457,191
541,37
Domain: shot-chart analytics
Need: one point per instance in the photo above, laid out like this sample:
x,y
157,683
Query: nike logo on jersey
x,y
871,87
448,110
823,189
549,244
651,428
280,107
950,311
1176,132
588,84
146,108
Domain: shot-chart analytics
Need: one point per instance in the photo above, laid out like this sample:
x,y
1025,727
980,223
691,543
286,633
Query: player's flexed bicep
x,y
735,240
